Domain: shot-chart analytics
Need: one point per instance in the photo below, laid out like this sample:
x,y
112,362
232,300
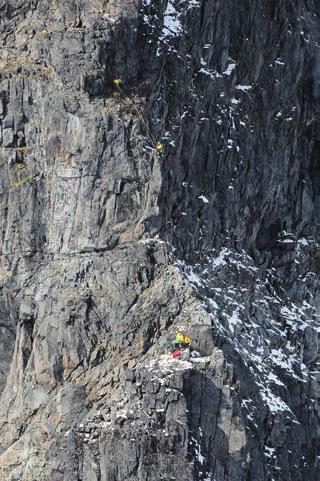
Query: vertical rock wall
x,y
108,245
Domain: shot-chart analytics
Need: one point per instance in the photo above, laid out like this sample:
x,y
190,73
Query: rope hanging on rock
x,y
155,143
20,180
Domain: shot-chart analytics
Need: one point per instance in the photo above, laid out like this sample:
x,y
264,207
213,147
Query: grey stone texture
x,y
109,246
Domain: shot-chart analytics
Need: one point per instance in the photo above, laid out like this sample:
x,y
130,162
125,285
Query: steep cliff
x,y
108,244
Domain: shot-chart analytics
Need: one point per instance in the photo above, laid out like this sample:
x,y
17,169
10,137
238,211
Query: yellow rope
x,y
19,182
140,115
21,166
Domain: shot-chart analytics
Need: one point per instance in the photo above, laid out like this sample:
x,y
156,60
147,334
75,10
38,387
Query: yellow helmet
x,y
187,340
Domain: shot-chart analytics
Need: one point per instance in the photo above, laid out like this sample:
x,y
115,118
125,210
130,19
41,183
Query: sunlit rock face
x,y
159,172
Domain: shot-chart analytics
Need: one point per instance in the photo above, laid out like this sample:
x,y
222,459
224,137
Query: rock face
x,y
109,245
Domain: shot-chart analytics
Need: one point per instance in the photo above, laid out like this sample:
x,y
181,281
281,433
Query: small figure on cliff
x,y
117,82
159,146
181,346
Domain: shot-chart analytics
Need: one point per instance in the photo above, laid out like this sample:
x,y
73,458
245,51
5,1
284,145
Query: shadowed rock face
x,y
108,246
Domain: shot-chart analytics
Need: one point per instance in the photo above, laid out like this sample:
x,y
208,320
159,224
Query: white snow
x,y
275,403
234,320
229,69
267,339
167,365
274,379
286,241
174,13
192,4
303,242
172,25
208,477
269,452
204,199
213,74
220,260
194,278
249,406
244,88
201,359
197,449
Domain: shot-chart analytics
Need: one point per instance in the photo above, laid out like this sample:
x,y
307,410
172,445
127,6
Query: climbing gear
x,y
16,180
180,347
179,336
117,83
182,338
186,353
176,353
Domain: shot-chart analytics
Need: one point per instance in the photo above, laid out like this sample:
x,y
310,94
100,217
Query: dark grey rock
x,y
108,246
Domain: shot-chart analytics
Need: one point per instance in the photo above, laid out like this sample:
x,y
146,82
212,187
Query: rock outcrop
x,y
108,244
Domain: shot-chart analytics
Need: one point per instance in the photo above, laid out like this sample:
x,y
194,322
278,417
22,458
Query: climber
x,y
159,146
179,336
175,345
117,81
